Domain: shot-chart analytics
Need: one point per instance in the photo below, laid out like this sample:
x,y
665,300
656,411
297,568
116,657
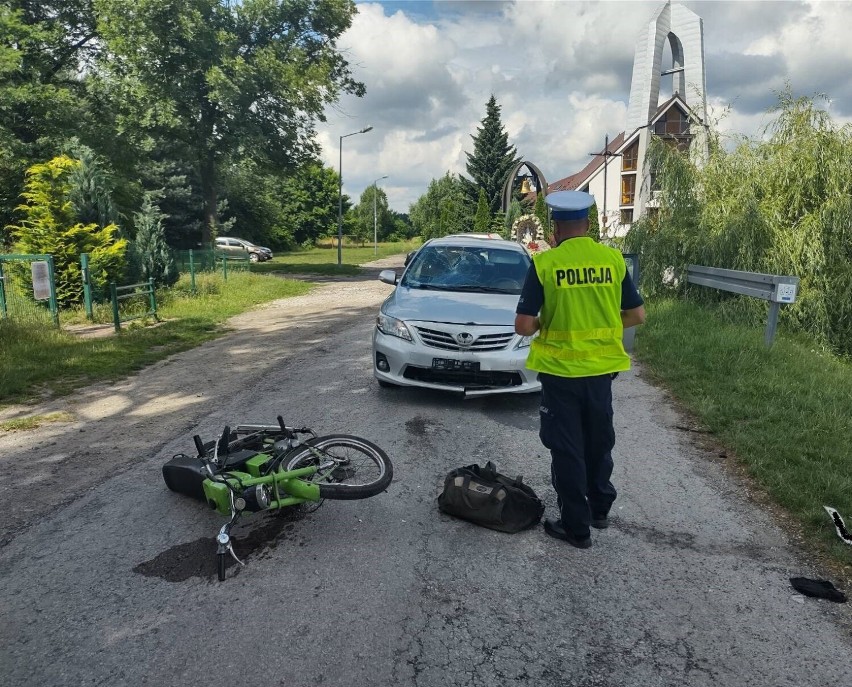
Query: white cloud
x,y
560,72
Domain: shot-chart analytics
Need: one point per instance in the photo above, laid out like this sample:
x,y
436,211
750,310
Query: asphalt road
x,y
111,580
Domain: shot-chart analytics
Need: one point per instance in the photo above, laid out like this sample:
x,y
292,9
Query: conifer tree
x,y
482,219
543,215
594,223
491,160
151,251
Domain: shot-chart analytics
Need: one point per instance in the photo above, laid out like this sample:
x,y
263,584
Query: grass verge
x,y
323,260
35,361
785,413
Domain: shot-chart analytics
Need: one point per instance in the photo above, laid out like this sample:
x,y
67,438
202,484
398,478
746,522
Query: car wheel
x,y
254,257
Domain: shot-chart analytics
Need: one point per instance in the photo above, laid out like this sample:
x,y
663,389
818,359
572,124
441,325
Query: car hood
x,y
451,307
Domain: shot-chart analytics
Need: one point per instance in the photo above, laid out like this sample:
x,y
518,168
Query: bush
x,y
50,226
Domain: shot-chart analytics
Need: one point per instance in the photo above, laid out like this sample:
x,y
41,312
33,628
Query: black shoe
x,y
554,529
600,523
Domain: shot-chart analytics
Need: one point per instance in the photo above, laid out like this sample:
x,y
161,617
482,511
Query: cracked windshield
x,y
451,268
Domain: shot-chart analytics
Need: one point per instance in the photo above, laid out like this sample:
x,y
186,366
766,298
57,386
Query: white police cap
x,y
568,205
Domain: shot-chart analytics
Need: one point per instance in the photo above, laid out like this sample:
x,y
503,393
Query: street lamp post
x,y
375,217
340,194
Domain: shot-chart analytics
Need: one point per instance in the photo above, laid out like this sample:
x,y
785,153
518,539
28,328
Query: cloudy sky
x,y
560,70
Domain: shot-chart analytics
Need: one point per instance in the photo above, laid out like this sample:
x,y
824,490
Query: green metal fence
x,y
28,289
133,302
198,261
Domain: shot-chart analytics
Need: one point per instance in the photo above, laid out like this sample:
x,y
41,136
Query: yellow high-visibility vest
x,y
581,330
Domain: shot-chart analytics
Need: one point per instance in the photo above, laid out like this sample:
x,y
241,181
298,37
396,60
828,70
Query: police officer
x,y
579,297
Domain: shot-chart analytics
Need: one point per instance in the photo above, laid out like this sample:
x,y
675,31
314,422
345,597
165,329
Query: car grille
x,y
469,380
445,341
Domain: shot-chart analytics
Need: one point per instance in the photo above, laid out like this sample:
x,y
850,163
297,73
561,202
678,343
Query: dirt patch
x,y
90,331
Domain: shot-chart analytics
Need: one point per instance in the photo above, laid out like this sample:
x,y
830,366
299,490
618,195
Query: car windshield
x,y
467,268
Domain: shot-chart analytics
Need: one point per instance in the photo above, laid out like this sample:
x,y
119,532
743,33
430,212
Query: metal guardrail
x,y
777,289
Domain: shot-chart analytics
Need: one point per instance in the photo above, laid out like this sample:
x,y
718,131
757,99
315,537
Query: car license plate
x,y
454,365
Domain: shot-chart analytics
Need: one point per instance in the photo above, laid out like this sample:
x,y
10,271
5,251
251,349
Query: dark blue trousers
x,y
576,425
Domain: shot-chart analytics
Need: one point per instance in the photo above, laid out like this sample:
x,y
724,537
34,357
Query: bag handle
x,y
490,472
465,489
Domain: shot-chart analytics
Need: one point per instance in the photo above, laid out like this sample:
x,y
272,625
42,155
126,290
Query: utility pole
x,y
606,154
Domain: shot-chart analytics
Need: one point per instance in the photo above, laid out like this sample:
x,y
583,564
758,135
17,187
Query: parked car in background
x,y
449,323
239,247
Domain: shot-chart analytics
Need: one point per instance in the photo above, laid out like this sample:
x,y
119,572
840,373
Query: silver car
x,y
449,323
240,247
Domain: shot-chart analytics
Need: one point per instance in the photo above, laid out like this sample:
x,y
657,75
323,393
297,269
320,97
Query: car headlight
x,y
524,342
392,327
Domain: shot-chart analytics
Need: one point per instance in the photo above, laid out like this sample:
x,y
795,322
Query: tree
x,y
482,219
91,188
151,252
50,226
309,200
594,223
179,200
44,47
403,230
442,210
364,218
247,79
515,211
541,211
492,159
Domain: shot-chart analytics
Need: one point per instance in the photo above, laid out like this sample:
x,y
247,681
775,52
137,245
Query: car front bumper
x,y
411,364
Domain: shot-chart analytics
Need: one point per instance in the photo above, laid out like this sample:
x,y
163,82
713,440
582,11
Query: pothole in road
x,y
252,540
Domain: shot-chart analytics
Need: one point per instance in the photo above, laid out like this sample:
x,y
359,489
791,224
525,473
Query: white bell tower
x,y
684,32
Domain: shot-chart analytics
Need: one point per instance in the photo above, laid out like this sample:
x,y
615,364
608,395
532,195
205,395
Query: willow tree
x,y
250,78
779,204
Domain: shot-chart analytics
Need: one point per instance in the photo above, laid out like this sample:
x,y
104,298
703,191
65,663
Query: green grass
x,y
323,260
39,360
784,412
34,421
284,266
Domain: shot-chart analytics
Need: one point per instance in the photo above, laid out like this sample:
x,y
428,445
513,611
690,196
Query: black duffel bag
x,y
485,497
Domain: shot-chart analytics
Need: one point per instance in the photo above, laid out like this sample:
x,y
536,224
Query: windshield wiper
x,y
421,285
481,289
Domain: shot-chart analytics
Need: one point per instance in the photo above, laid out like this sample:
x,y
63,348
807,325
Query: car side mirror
x,y
388,277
